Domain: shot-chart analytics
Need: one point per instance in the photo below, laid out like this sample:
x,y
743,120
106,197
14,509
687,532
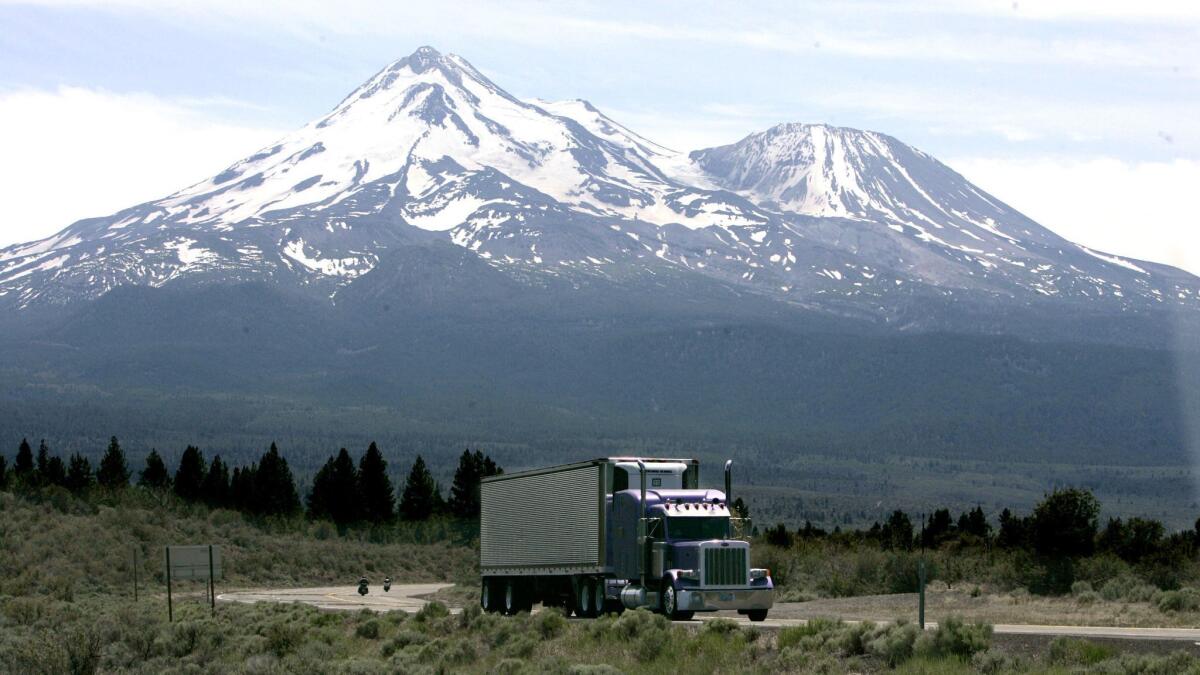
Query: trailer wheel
x,y
757,614
512,600
584,604
489,596
669,601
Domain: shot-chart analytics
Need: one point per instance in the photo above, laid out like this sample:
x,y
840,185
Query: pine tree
x,y
56,472
375,488
154,476
3,472
274,488
113,472
241,488
321,495
215,488
43,461
79,474
464,491
23,464
421,498
189,477
346,505
897,532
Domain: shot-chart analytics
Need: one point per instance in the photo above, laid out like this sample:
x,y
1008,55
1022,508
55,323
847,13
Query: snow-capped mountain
x,y
430,150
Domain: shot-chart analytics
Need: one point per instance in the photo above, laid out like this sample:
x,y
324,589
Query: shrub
x,y
521,646
629,625
893,643
992,662
1183,600
283,637
550,622
1072,652
1080,587
955,638
719,626
589,669
1087,597
432,610
508,667
651,644
793,635
368,630
1127,588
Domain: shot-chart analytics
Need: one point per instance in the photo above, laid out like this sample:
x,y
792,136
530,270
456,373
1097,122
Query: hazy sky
x,y
1083,113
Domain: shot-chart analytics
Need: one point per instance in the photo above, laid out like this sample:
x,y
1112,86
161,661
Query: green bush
x,y
590,669
893,643
651,643
1073,652
550,622
953,637
1080,587
719,626
1127,588
793,635
283,637
431,611
368,630
1183,600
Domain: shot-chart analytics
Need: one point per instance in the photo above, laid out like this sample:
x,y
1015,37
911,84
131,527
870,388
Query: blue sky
x,y
1080,113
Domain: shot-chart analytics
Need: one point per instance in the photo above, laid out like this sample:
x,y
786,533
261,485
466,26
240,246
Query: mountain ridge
x,y
429,149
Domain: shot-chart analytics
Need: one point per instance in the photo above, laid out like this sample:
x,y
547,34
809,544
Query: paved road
x,y
406,597
409,598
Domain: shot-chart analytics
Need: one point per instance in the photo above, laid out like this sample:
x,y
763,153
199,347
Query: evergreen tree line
x,y
1064,526
75,474
342,491
345,493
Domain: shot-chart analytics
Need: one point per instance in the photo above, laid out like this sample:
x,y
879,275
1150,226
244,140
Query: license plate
x,y
726,597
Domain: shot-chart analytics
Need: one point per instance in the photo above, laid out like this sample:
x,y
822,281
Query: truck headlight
x,y
689,574
760,573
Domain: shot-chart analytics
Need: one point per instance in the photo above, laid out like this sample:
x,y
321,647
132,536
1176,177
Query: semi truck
x,y
616,533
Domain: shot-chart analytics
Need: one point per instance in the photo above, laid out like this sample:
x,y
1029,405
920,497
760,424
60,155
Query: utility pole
x,y
921,578
170,607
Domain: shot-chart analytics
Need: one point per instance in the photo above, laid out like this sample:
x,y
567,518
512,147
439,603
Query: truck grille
x,y
724,566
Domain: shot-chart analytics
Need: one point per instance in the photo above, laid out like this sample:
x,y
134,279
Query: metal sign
x,y
192,562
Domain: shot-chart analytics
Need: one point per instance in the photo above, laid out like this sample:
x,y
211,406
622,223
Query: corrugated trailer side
x,y
549,521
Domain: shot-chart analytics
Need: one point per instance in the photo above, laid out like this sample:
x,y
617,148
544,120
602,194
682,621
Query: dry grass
x,y
63,546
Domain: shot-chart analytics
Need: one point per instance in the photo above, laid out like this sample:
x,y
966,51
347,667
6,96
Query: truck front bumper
x,y
704,600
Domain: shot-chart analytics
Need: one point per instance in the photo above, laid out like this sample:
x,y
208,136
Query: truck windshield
x,y
697,528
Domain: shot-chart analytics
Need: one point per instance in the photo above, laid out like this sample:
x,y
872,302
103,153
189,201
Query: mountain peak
x,y
420,60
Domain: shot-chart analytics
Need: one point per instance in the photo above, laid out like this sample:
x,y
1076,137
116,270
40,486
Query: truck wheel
x,y
757,614
598,597
668,601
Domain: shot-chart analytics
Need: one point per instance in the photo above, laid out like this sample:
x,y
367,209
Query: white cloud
x,y
1142,210
75,153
